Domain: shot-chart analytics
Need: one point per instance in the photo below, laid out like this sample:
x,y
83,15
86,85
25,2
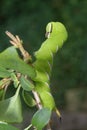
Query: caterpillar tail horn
x,y
58,113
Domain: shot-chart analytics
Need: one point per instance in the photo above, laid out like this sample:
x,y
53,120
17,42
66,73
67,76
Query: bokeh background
x,y
28,19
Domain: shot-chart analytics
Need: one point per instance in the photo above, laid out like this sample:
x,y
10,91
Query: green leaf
x,y
28,99
10,109
26,84
15,80
3,72
41,118
7,127
1,93
9,59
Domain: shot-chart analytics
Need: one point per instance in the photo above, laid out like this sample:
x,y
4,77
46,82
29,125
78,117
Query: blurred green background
x,y
28,18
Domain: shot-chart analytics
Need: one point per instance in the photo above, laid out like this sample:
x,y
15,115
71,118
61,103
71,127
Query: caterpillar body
x,y
56,35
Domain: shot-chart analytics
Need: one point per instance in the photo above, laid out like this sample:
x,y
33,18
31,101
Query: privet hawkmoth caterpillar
x,y
56,35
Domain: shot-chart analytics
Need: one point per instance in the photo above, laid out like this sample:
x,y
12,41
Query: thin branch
x,y
17,42
48,126
6,83
38,102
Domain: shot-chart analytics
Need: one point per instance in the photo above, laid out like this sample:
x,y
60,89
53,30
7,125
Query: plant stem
x,y
38,102
17,42
6,83
49,126
28,127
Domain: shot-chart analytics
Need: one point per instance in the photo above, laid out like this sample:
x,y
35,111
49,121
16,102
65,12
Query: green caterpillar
x,y
56,35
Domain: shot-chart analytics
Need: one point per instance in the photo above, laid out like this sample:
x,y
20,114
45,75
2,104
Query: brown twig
x,y
48,126
38,102
5,83
17,42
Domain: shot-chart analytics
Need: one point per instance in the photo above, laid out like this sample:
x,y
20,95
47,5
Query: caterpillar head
x,y
56,35
56,29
